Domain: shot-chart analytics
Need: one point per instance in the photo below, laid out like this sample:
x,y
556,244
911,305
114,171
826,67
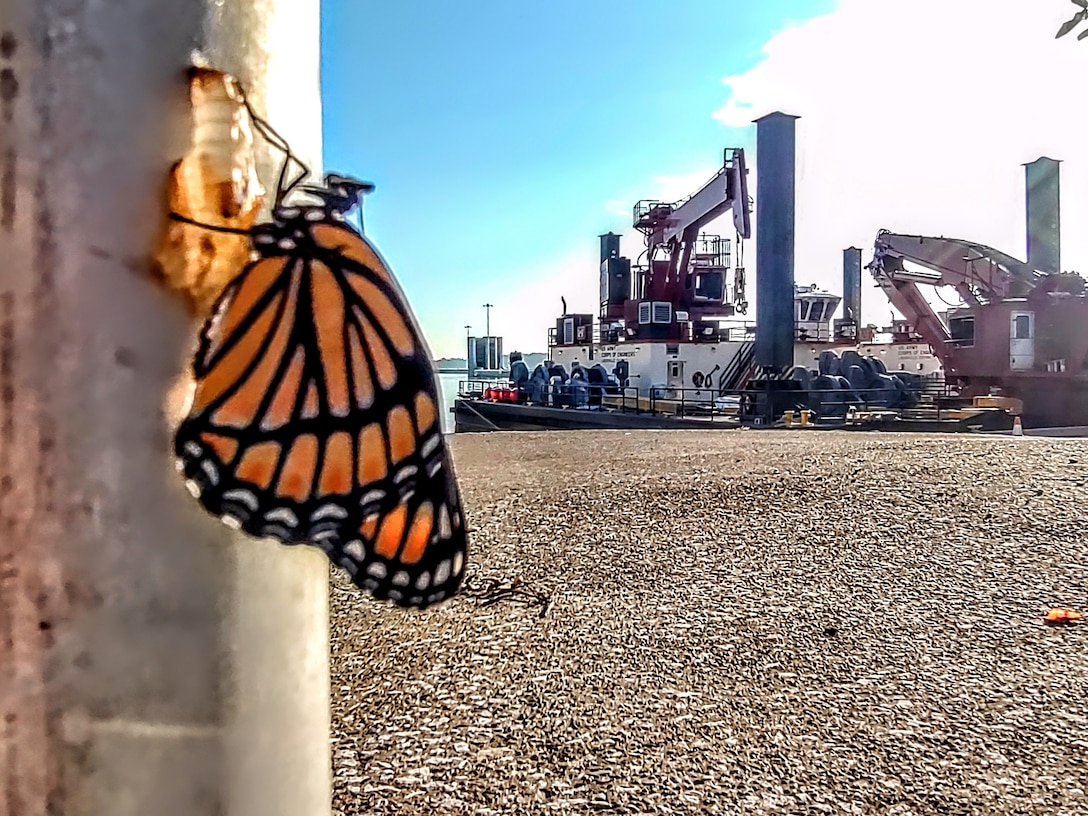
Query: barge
x,y
669,346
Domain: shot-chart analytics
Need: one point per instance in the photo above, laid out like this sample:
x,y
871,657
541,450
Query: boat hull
x,y
473,416
1050,400
476,416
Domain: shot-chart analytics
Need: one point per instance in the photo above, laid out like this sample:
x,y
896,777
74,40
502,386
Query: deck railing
x,y
933,401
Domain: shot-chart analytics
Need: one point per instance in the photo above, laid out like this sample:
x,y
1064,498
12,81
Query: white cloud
x,y
620,209
916,117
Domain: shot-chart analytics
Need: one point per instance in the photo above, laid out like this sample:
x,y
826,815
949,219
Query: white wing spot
x,y
242,497
289,212
442,573
371,496
193,449
423,581
264,238
328,511
377,569
394,595
444,522
286,243
314,215
179,465
401,578
438,596
284,514
458,562
434,467
356,550
404,473
429,446
193,488
231,521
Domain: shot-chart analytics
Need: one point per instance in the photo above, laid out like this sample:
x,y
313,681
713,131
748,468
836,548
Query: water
x,y
447,387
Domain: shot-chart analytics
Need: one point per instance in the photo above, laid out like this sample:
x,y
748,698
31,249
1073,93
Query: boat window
x,y
962,330
1021,327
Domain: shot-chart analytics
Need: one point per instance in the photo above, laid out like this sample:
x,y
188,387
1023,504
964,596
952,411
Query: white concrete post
x,y
150,662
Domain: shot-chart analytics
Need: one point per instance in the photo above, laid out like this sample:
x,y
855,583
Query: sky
x,y
505,137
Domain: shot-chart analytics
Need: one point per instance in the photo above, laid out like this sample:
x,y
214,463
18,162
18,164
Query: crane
x,y
980,275
673,230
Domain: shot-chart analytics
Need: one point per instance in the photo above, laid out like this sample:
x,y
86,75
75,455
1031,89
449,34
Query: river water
x,y
447,385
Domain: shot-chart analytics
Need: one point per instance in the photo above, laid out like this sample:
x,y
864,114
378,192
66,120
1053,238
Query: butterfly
x,y
314,413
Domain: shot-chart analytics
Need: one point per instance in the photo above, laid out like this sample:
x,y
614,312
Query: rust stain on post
x,y
9,91
32,601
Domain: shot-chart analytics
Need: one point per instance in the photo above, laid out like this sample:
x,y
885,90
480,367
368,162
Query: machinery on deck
x,y
667,349
1021,332
666,344
683,282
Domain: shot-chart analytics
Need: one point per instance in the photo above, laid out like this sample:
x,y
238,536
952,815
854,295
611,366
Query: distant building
x,y
485,353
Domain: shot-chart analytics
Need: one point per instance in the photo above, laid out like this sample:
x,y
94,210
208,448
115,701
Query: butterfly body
x,y
314,416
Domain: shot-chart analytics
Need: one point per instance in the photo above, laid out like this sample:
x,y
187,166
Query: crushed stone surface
x,y
791,622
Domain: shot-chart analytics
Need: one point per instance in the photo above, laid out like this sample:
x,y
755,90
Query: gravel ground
x,y
738,622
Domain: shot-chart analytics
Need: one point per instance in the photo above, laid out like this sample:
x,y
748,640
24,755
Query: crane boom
x,y
679,256
727,190
980,274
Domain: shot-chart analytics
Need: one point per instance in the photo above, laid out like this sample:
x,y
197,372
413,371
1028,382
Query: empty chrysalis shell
x,y
214,183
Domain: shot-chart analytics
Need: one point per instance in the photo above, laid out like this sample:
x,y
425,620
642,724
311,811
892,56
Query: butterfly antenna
x,y
272,136
283,187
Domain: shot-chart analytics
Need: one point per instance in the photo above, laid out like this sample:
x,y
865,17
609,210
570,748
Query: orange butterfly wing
x,y
314,417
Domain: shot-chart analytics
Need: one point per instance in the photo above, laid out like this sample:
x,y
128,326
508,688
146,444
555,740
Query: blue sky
x,y
504,136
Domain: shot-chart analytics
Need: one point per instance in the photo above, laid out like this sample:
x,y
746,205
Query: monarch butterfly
x,y
314,416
